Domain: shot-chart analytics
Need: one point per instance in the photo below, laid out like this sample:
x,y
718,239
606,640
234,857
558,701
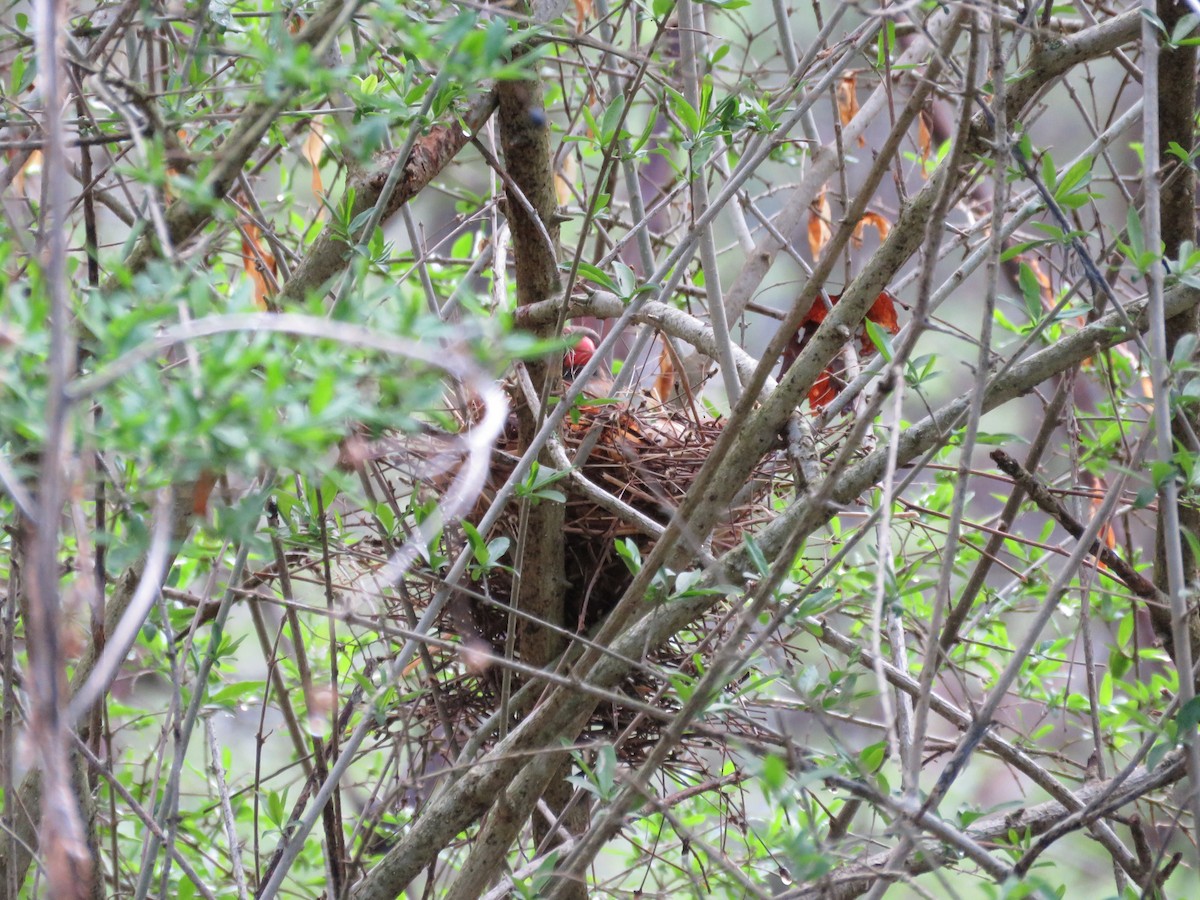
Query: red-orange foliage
x,y
827,385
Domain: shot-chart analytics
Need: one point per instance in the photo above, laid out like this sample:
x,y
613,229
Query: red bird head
x,y
577,357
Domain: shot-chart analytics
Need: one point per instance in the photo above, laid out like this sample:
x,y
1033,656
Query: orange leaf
x,y
314,146
564,178
172,171
33,166
883,312
874,219
819,233
583,11
1108,535
822,393
924,140
202,490
257,261
847,101
664,382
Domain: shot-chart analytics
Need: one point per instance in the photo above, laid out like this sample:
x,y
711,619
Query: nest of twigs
x,y
645,455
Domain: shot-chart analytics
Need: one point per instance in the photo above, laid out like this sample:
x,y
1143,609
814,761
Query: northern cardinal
x,y
828,384
577,357
600,384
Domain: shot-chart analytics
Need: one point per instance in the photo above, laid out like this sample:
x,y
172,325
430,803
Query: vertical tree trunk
x,y
1176,111
525,141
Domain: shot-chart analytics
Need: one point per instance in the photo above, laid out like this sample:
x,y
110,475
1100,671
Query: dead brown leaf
x,y
564,178
847,101
313,148
664,382
876,221
257,260
33,165
819,232
924,140
583,12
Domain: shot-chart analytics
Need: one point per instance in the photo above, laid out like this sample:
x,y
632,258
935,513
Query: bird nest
x,y
646,457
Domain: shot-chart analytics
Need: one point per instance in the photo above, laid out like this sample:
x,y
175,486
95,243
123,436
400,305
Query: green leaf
x,y
1153,19
1049,173
612,118
629,552
644,137
1161,472
1188,718
1016,250
590,120
684,110
606,770
872,756
1157,752
386,516
1183,28
1024,144
275,808
597,276
1185,350
1133,227
322,391
237,693
1031,292
1077,176
1145,497
329,492
359,221
757,558
1179,152
475,539
497,547
885,44
880,338
1125,630
774,772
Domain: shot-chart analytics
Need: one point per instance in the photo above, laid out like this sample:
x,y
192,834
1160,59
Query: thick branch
x,y
330,254
673,322
530,206
1177,220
